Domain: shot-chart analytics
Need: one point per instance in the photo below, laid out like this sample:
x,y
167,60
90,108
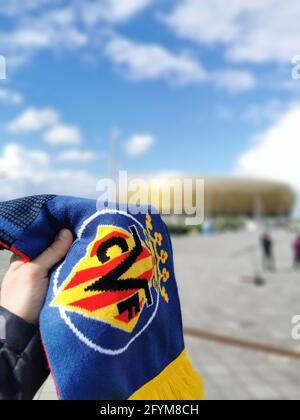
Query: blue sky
x,y
193,87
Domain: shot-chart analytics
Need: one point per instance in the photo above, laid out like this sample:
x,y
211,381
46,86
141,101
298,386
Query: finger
x,y
56,252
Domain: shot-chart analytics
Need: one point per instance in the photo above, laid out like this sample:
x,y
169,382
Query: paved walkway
x,y
214,276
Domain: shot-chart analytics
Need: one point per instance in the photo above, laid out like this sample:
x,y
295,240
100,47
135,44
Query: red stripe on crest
x,y
100,271
106,238
104,299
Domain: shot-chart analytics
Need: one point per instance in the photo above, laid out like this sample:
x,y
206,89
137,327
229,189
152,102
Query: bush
x,y
179,229
294,226
228,224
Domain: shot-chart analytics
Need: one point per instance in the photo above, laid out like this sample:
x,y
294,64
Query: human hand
x,y
25,285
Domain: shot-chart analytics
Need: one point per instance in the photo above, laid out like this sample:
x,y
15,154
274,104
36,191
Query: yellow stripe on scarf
x,y
178,381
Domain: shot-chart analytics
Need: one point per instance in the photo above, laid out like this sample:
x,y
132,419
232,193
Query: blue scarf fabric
x,y
111,323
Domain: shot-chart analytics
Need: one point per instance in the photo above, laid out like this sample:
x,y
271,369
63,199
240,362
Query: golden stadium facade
x,y
248,197
226,196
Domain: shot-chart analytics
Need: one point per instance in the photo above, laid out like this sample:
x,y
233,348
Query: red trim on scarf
x,y
15,251
51,372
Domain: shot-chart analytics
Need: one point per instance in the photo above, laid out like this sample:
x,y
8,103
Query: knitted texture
x,y
19,214
111,325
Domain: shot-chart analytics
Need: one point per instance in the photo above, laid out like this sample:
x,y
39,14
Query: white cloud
x,y
48,120
62,134
92,11
26,172
140,62
77,156
55,26
234,81
250,30
33,119
16,162
275,152
10,97
139,144
207,22
112,10
19,7
54,30
84,25
151,61
269,112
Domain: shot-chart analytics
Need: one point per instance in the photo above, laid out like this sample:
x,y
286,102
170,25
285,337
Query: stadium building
x,y
225,197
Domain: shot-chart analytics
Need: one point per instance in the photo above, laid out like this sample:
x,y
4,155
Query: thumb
x,y
56,252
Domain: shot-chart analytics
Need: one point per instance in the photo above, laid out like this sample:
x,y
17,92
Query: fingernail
x,y
63,235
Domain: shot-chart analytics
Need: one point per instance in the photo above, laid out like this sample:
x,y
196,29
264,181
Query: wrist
x,y
19,313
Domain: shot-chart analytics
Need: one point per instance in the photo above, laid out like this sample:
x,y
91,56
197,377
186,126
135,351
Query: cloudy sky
x,y
192,86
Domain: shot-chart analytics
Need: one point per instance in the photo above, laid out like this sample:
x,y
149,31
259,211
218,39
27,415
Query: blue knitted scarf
x,y
111,325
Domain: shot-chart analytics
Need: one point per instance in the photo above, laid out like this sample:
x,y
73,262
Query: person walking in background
x,y
268,252
296,248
